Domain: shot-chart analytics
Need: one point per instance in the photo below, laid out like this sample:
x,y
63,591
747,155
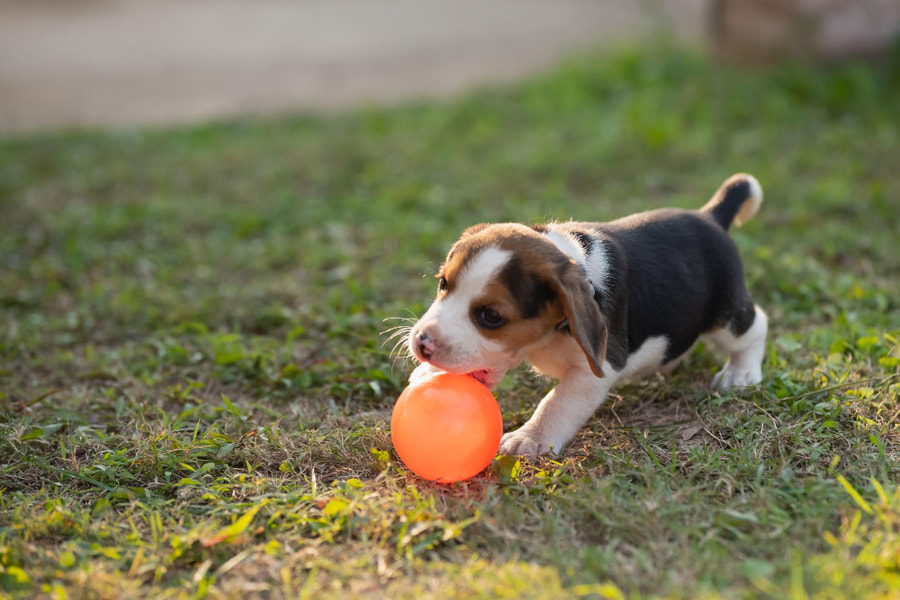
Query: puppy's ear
x,y
586,322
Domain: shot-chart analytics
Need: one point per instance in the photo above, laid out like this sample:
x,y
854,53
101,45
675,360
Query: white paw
x,y
735,376
422,371
525,443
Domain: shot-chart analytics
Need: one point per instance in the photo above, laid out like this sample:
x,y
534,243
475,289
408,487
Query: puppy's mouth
x,y
486,377
483,376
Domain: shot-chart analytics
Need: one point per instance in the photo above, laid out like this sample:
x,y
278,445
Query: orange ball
x,y
446,427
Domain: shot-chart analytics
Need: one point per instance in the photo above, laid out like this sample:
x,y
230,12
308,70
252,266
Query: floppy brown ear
x,y
586,322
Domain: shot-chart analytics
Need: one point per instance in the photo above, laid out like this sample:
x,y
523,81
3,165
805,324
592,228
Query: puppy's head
x,y
505,290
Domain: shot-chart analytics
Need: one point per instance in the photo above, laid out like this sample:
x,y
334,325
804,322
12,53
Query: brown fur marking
x,y
539,258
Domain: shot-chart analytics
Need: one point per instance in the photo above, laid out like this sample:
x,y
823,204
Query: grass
x,y
196,388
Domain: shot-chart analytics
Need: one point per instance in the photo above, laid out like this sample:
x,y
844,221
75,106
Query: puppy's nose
x,y
425,345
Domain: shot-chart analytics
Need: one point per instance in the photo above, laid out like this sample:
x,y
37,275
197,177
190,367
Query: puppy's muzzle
x,y
425,345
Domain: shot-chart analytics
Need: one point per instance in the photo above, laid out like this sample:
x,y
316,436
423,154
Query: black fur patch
x,y
530,293
728,202
585,240
743,320
677,274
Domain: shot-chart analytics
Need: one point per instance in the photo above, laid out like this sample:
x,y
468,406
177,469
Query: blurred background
x,y
122,62
218,217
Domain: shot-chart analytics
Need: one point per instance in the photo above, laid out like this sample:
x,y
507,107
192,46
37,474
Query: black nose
x,y
425,346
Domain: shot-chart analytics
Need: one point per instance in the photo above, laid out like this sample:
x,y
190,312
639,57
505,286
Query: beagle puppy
x,y
594,304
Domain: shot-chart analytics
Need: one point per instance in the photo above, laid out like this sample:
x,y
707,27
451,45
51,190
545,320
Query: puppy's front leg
x,y
560,414
423,370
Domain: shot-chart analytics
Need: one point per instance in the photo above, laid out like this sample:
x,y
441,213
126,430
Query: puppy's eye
x,y
488,318
442,284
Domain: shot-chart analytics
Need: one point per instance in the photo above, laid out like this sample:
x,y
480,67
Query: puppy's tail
x,y
736,201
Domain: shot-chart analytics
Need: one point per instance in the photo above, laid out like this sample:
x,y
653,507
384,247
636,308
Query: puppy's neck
x,y
592,257
568,244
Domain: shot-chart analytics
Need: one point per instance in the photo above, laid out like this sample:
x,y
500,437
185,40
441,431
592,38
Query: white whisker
x,y
395,333
395,329
410,319
398,335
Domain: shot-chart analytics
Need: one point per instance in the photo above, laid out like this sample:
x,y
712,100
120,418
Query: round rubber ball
x,y
446,427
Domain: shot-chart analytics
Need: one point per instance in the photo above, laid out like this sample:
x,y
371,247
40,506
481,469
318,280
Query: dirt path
x,y
125,62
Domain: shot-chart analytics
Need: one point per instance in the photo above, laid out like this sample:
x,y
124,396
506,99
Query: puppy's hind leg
x,y
746,351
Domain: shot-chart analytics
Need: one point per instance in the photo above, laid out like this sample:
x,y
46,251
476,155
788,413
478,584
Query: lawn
x,y
196,378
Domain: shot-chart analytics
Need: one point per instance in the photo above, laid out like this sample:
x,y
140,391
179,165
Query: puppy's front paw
x,y
735,376
522,442
422,371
